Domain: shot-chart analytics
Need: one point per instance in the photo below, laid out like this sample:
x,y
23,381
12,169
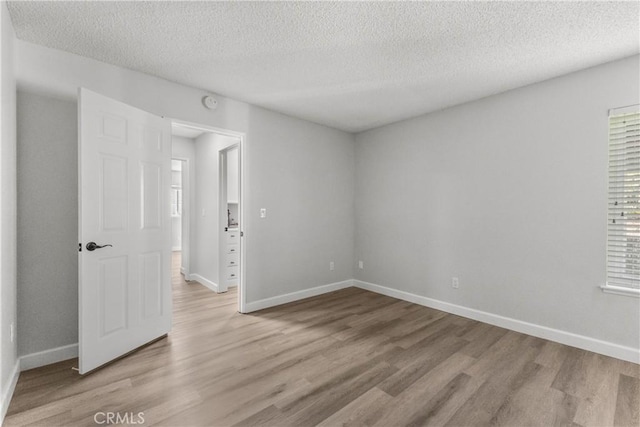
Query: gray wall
x,y
306,183
8,282
508,193
47,223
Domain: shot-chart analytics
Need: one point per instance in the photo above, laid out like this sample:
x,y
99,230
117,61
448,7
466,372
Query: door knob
x,y
92,246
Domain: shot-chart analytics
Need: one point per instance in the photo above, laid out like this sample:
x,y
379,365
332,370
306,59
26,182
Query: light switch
x,y
263,213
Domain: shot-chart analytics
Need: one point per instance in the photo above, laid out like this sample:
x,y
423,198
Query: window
x,y
623,229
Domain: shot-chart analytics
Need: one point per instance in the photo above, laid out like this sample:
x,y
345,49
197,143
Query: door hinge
x,y
242,234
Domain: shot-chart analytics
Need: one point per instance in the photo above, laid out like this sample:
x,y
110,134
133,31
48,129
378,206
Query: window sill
x,y
619,290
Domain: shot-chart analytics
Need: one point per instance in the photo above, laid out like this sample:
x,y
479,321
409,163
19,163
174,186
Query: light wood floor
x,y
346,358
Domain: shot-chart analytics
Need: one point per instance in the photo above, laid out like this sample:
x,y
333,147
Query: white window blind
x,y
623,230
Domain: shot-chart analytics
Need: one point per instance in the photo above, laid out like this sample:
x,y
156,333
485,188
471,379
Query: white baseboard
x,y
574,340
47,357
203,281
295,296
7,393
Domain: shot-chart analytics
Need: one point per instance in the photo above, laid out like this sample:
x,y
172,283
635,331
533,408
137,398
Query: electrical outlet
x,y
332,266
204,212
263,213
455,282
361,265
12,331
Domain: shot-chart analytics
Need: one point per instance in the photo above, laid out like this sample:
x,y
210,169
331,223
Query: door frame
x,y
186,223
242,145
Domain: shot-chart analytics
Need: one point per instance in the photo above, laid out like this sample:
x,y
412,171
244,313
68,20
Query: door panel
x,y
113,294
151,200
114,128
125,289
151,282
113,194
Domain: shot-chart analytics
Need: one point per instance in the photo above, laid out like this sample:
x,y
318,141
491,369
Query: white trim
x,y
176,248
624,110
183,271
7,394
207,128
620,290
203,281
242,199
574,340
47,357
295,296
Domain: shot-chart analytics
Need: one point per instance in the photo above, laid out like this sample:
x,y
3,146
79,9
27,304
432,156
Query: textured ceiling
x,y
349,65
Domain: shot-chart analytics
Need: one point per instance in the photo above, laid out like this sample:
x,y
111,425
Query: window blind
x,y
623,230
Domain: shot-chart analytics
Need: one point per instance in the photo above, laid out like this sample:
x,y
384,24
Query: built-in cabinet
x,y
232,258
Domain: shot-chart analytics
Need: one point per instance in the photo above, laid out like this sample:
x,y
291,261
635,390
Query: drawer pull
x,y
233,275
232,235
232,262
232,250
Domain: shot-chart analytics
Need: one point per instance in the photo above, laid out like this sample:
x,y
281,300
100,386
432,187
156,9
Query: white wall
x,y
176,233
184,148
176,220
8,268
508,193
47,223
232,175
302,172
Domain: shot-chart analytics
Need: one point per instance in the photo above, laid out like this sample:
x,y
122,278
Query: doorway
x,y
211,250
229,216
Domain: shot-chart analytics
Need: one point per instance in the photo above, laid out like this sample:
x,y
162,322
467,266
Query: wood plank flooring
x,y
350,357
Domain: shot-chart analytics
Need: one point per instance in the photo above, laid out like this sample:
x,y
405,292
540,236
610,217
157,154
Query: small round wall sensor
x,y
210,102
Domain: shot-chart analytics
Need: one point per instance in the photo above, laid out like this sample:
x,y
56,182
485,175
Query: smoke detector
x,y
210,102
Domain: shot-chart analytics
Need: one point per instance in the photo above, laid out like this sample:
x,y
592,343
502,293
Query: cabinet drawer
x,y
231,273
233,249
233,237
232,260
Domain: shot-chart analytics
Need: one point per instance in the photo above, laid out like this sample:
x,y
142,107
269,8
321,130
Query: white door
x,y
125,181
